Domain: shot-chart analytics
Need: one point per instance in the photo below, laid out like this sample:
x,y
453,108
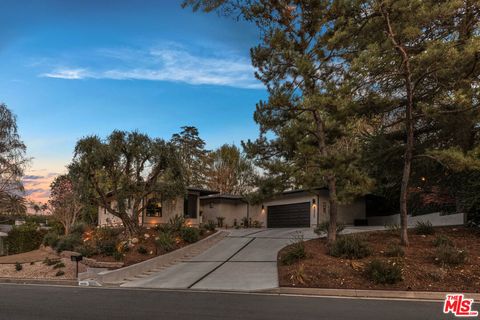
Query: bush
x,y
323,227
165,241
107,247
245,222
384,272
210,225
349,247
142,250
86,250
50,262
59,273
220,221
59,265
424,227
176,223
394,250
442,240
190,235
18,266
447,255
393,228
24,238
295,252
257,224
69,242
117,255
51,239
79,227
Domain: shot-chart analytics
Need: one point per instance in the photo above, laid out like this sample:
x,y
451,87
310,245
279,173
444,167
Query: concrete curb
x,y
40,281
118,276
378,294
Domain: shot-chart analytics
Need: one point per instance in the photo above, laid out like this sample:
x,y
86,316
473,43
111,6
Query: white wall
x,y
435,219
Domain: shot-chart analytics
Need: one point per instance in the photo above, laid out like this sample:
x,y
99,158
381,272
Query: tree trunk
x,y
332,226
131,226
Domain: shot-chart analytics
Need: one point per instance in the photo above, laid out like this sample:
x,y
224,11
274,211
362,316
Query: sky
x,y
69,69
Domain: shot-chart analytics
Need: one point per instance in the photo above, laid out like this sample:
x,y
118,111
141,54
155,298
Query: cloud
x,y
172,64
37,187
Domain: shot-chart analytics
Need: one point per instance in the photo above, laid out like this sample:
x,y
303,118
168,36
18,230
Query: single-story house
x,y
295,208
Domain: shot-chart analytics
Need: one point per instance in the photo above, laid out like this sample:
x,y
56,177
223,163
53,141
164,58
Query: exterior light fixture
x,y
314,203
263,208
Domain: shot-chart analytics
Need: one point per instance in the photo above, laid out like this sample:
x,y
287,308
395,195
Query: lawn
x,y
420,265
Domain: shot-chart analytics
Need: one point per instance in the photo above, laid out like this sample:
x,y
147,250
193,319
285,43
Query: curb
x,y
378,294
40,281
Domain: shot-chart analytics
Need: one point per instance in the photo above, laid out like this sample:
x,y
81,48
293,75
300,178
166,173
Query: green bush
x,y
24,238
210,225
442,240
190,234
107,247
142,250
165,241
79,227
424,228
117,255
18,266
69,242
393,228
164,227
59,265
447,255
59,273
294,253
394,250
51,239
106,233
176,223
349,247
384,272
50,262
323,227
86,250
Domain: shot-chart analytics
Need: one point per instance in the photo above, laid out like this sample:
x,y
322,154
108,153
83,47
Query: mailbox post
x,y
76,258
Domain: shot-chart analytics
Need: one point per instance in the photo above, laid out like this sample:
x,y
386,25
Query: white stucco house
x,y
295,208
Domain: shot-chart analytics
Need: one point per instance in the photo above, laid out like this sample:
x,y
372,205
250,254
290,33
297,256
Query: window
x,y
154,208
190,206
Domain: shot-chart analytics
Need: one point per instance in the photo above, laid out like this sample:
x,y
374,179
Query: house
x,y
157,211
295,208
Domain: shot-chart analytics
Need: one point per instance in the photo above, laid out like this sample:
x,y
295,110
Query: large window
x,y
190,206
154,208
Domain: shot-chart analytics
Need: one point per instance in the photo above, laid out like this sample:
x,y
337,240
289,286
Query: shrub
x,y
107,247
79,227
164,227
349,247
165,241
117,255
69,242
220,221
295,252
86,250
323,227
394,250
59,273
59,265
447,255
210,225
384,272
245,222
106,233
393,228
176,223
142,250
257,224
24,238
190,235
424,227
50,262
18,266
442,240
51,239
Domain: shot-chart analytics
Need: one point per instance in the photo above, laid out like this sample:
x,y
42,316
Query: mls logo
x,y
459,306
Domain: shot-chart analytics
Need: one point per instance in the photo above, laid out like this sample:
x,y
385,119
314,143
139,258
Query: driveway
x,y
246,260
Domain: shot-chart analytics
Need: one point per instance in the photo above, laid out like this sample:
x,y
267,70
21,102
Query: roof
x,y
203,192
224,196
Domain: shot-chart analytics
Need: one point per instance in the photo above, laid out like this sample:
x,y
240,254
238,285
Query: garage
x,y
295,215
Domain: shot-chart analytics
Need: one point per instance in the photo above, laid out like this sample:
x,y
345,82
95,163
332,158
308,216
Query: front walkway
x,y
246,260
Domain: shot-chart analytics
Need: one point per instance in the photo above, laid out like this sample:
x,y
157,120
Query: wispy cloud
x,y
37,187
174,64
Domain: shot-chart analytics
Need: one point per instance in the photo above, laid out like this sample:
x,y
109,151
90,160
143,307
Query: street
x,y
55,302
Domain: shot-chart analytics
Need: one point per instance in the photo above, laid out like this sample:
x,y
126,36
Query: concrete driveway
x,y
246,260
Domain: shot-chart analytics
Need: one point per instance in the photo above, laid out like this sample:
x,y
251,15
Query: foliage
x,y
69,242
322,227
165,241
127,167
394,250
86,250
142,250
384,272
18,266
59,265
107,247
210,225
50,262
190,234
24,238
176,223
220,221
447,255
393,228
442,240
349,247
257,224
294,252
424,227
51,239
59,273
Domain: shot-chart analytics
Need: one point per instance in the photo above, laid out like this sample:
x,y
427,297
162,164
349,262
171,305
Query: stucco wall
x,y
435,219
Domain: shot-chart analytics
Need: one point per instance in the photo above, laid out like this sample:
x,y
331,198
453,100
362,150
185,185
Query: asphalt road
x,y
49,302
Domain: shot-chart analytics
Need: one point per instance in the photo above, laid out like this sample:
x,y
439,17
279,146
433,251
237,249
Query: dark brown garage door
x,y
295,215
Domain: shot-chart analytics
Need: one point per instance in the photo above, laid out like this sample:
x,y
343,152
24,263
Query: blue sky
x,y
74,68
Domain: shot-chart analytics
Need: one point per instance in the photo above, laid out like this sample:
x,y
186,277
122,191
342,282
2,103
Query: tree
x,y
192,154
64,202
12,204
415,68
125,169
307,109
12,162
229,171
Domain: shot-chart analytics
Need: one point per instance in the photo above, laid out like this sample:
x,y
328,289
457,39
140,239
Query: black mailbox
x,y
76,258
